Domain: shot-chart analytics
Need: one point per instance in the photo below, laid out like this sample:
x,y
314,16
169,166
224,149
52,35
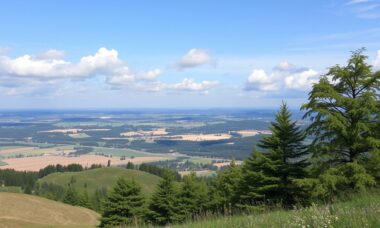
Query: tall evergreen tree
x,y
124,205
343,107
71,196
270,176
164,208
223,189
193,196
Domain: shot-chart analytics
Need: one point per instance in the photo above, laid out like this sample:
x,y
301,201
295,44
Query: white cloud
x,y
121,77
259,80
376,62
151,75
284,76
187,85
302,81
195,57
103,62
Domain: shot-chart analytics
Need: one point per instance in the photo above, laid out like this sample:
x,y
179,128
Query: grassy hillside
x,y
20,210
102,177
361,211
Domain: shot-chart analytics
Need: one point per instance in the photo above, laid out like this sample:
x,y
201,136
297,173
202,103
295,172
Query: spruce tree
x,y
344,109
71,196
164,208
193,196
124,205
270,176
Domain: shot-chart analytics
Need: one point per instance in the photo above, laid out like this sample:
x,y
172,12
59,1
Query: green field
x,y
91,180
2,163
21,210
15,189
361,211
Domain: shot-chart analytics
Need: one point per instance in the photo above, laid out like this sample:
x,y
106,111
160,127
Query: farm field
x,y
37,163
21,210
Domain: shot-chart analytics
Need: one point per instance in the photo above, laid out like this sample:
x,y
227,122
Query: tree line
x,y
284,170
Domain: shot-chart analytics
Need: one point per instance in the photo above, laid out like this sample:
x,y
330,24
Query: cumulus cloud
x,y
193,58
121,77
259,80
103,61
302,81
151,75
187,85
284,76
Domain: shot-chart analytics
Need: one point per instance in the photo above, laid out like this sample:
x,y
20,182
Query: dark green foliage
x,y
338,181
223,189
193,196
164,208
71,196
270,177
124,205
343,107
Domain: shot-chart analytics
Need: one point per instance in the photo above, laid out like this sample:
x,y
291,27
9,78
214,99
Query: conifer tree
x,y
193,196
270,176
71,196
343,107
164,208
124,205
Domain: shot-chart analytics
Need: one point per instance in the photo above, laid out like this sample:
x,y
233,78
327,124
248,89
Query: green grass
x,y
15,189
21,210
91,180
361,211
2,163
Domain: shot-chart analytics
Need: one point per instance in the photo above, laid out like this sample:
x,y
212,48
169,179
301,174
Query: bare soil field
x,y
156,132
248,133
37,163
69,130
202,137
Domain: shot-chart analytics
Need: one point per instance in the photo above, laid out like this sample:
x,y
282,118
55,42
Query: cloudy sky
x,y
177,54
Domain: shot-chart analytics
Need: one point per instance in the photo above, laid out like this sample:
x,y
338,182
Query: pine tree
x,y
83,200
343,107
163,208
193,196
71,196
124,205
270,176
223,189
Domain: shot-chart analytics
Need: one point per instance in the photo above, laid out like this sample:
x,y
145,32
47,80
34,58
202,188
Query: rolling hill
x,y
91,180
21,210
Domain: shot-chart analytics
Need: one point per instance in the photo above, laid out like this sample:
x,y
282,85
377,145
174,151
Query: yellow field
x,y
248,133
36,150
156,132
37,163
21,210
201,137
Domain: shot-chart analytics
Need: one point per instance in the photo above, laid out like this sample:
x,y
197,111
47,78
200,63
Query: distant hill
x,y
91,180
21,210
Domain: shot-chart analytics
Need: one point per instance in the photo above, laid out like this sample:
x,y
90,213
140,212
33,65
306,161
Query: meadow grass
x,y
91,180
362,210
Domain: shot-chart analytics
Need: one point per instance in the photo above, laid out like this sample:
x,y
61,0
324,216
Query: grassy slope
x,y
21,210
361,211
103,177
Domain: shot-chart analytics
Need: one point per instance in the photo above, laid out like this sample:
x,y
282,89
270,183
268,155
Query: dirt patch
x,y
201,137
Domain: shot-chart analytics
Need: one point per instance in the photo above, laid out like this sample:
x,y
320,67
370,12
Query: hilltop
x,y
91,180
21,210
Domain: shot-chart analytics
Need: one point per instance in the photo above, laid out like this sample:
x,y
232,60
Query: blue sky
x,y
126,54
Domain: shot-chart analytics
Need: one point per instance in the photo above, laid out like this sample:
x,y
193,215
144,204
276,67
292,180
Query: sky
x,y
176,54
